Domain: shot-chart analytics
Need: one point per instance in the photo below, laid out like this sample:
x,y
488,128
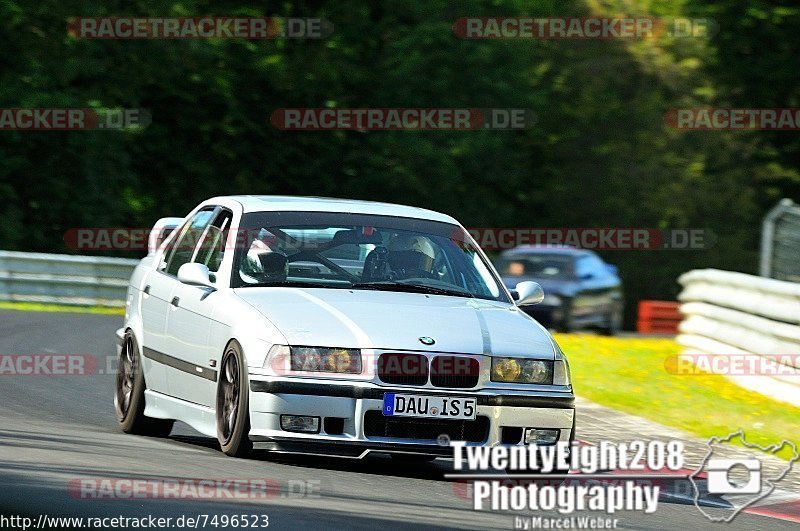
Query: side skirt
x,y
161,406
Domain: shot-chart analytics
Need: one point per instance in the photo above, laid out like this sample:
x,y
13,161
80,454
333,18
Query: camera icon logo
x,y
739,482
721,478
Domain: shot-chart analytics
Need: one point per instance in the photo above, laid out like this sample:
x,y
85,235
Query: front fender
x,y
236,319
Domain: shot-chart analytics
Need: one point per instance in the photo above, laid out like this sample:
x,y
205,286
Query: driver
x,y
265,263
411,255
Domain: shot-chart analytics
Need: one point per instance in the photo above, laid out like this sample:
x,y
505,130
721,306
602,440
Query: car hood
x,y
391,320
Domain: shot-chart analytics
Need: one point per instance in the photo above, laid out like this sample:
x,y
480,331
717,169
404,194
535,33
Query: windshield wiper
x,y
388,285
293,284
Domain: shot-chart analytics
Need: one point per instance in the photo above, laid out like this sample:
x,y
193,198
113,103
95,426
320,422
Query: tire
x,y
233,404
613,323
565,325
129,394
412,458
536,472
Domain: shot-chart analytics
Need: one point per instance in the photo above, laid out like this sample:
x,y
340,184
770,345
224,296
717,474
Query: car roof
x,y
545,249
260,203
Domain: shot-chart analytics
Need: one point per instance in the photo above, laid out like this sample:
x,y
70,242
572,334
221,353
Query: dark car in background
x,y
581,290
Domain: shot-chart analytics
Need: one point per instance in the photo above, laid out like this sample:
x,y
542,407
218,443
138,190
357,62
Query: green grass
x,y
629,374
38,307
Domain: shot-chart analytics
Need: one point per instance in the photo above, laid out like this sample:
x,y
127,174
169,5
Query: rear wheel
x,y
233,404
129,396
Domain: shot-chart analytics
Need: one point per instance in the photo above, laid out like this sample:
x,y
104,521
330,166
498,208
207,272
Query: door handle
x,y
147,290
176,301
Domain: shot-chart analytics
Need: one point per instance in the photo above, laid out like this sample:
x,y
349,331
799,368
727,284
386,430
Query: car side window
x,y
590,264
583,267
162,266
596,264
211,249
184,245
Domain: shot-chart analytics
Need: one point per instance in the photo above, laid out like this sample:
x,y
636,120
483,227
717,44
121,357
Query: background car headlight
x,y
319,359
522,370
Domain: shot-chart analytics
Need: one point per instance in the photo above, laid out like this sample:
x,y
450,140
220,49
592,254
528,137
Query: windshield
x,y
356,251
557,266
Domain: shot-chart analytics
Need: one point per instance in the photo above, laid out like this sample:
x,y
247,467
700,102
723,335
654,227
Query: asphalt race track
x,y
55,430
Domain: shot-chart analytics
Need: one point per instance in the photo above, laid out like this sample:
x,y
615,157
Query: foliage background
x,y
599,156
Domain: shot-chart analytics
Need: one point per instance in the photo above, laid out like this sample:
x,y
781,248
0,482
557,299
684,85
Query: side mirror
x,y
529,293
195,275
586,276
161,230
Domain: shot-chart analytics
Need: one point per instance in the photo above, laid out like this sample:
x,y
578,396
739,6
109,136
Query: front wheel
x,y
129,395
412,458
565,325
613,323
233,404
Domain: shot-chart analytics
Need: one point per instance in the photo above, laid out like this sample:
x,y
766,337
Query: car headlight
x,y
561,375
319,359
522,370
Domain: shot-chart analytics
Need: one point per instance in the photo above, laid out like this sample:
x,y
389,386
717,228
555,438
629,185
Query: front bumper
x,y
360,428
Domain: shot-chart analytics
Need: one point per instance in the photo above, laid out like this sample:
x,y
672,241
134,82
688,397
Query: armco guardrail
x,y
64,279
780,242
735,314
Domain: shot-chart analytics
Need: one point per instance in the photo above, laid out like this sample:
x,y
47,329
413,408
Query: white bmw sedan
x,y
334,327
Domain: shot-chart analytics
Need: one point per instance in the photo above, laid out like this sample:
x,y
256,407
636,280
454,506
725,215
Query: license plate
x,y
440,407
